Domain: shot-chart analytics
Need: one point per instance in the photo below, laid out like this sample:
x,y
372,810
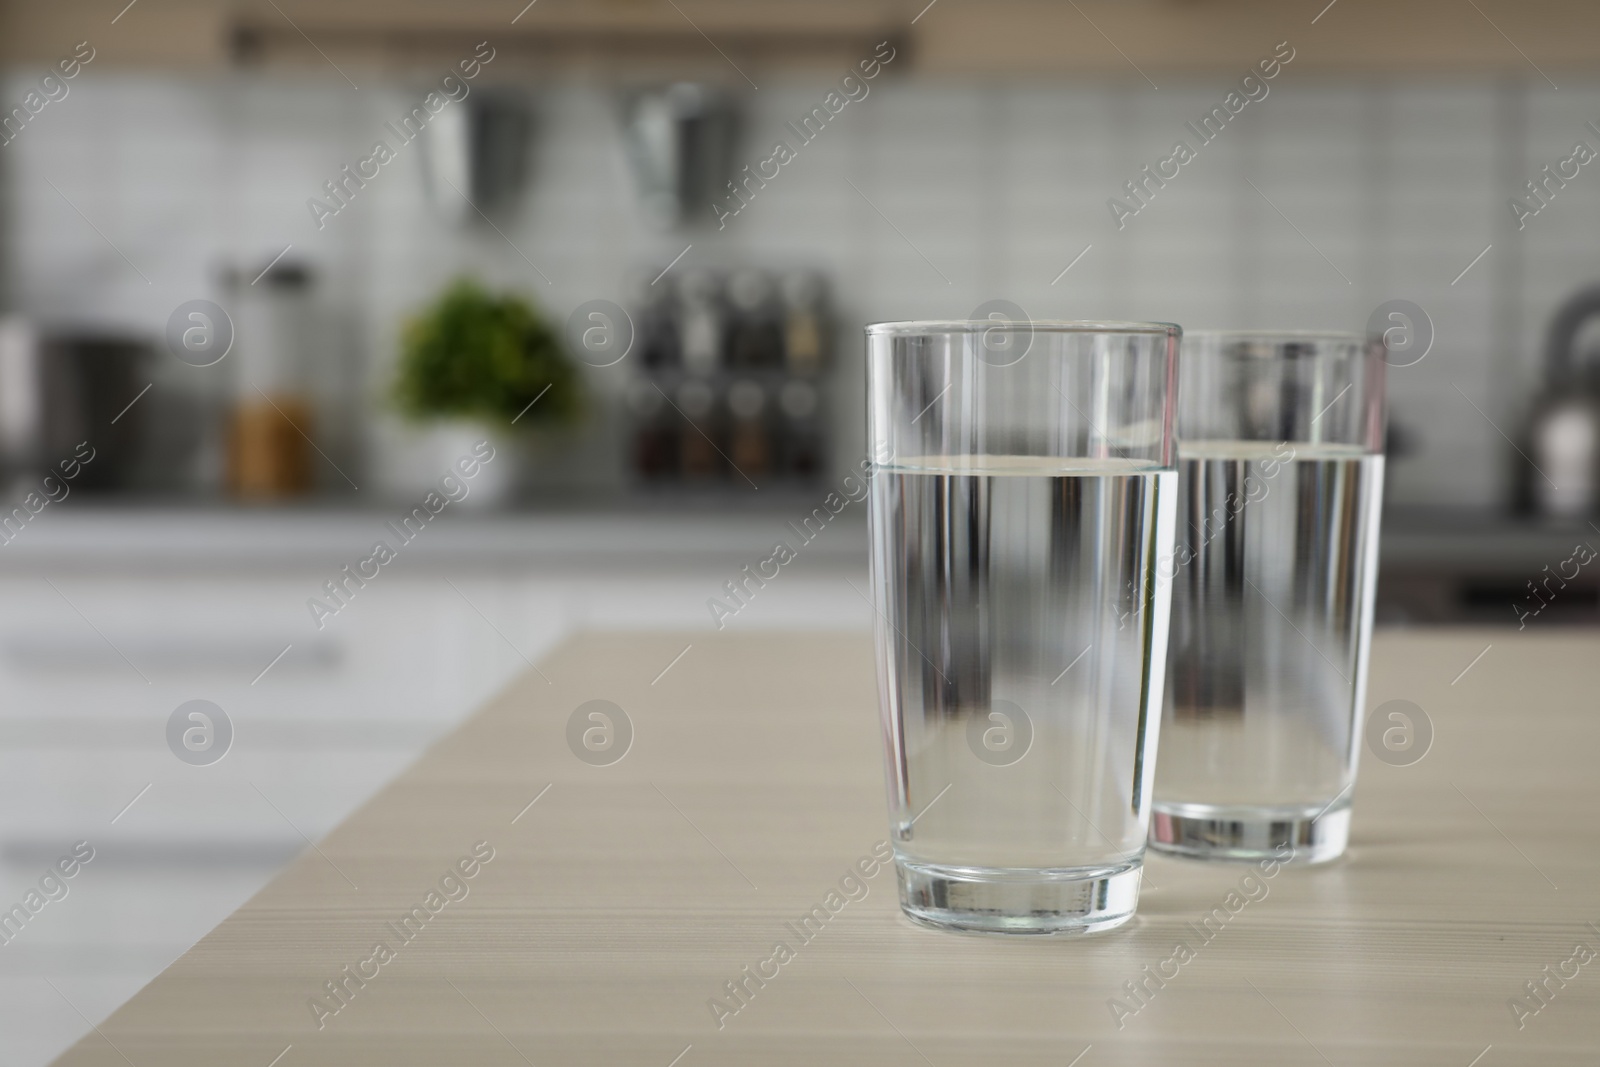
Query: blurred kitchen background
x,y
264,385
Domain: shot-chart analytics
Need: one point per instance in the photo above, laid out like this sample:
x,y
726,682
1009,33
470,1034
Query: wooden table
x,y
621,902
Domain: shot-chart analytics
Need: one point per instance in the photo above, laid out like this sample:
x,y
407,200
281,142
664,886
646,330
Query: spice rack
x,y
729,387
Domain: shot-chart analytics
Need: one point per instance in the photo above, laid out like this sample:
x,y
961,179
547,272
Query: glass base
x,y
1208,832
989,900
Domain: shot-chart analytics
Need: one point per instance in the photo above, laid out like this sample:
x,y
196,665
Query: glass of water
x,y
1281,460
1024,488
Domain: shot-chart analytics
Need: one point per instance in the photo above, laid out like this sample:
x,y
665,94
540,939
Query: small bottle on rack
x,y
805,322
755,338
655,333
655,440
748,443
701,323
698,459
802,436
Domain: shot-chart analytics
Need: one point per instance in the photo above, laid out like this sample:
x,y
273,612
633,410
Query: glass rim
x,y
914,327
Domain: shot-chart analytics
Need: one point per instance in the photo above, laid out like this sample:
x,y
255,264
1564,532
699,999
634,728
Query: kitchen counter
x,y
253,539
1465,540
1456,565
1470,540
1437,565
601,912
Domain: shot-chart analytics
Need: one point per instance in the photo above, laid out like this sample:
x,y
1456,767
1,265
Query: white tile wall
x,y
999,187
966,192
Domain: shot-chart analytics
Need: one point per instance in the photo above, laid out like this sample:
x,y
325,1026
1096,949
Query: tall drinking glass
x,y
1024,489
1280,452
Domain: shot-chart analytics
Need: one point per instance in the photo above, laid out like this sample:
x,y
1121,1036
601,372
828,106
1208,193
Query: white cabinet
x,y
98,646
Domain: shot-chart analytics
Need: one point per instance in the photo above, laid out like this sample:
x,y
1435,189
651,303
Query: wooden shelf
x,y
1403,38
632,39
1030,39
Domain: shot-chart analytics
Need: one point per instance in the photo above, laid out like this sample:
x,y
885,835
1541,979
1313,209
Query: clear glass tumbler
x,y
1281,459
1024,488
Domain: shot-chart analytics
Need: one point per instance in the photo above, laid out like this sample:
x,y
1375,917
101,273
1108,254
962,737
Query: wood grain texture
x,y
622,901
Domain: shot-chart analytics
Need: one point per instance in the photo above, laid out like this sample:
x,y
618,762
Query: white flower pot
x,y
417,458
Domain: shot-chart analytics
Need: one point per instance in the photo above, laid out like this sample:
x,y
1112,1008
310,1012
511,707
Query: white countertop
x,y
245,539
98,536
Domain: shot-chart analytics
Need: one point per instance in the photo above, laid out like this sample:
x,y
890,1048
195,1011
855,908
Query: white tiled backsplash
x,y
963,193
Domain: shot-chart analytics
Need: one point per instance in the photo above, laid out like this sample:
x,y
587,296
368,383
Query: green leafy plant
x,y
480,356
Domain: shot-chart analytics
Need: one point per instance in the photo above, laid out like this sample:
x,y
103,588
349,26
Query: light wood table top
x,y
618,905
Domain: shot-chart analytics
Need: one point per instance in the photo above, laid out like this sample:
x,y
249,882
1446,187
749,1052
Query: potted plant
x,y
479,366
